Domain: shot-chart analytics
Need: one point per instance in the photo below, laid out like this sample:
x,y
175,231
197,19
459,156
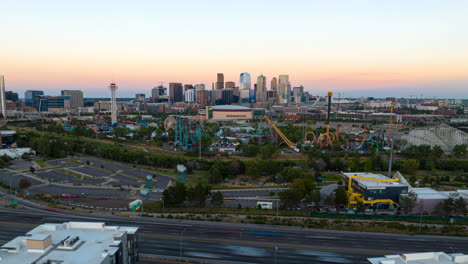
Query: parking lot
x,y
90,171
57,176
81,190
13,178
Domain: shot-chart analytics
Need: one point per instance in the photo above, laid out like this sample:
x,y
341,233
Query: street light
x,y
420,214
277,207
276,249
180,248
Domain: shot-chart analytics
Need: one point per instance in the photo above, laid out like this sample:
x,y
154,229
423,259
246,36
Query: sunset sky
x,y
369,48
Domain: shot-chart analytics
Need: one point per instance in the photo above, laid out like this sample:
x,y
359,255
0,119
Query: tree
x,y
215,176
217,199
302,187
408,202
410,166
206,141
460,207
250,150
120,131
290,198
460,150
267,151
175,195
437,152
448,207
24,183
313,197
341,198
198,194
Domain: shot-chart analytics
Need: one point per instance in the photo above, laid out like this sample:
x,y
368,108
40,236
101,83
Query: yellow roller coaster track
x,y
278,131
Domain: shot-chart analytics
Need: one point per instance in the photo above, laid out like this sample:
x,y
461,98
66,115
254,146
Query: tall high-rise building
x,y
297,94
230,85
76,98
203,97
140,97
274,84
113,89
260,92
228,96
245,88
236,95
2,97
11,96
284,89
189,95
244,82
199,87
187,86
158,91
31,98
176,92
220,81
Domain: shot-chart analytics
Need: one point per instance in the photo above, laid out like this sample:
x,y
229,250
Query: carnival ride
x,y
288,142
187,134
355,198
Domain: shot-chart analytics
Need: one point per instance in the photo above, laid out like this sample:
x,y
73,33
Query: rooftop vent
x,y
69,243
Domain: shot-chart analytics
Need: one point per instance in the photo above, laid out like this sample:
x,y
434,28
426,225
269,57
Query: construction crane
x,y
283,137
355,198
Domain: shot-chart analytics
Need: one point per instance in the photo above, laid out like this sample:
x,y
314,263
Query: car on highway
x,y
68,195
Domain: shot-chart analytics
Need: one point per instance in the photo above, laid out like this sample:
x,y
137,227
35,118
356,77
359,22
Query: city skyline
x,y
357,48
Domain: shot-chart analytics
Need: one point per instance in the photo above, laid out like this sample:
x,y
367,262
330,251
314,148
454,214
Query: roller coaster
x,y
288,142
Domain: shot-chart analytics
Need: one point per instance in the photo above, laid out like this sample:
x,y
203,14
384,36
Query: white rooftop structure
x,y
7,132
230,107
73,243
15,153
369,184
422,258
428,193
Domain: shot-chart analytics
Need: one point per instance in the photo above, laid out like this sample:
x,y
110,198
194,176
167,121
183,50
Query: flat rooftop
x,y
422,258
428,194
370,184
71,242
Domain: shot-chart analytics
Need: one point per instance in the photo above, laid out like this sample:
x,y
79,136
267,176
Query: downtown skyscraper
x,y
2,97
284,89
260,93
245,87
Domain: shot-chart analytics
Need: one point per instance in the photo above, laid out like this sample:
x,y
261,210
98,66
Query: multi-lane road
x,y
240,243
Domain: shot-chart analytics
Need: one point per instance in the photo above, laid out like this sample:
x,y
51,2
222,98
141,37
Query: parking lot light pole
x,y
276,249
180,247
277,208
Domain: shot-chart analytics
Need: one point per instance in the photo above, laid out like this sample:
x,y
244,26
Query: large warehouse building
x,y
373,187
229,112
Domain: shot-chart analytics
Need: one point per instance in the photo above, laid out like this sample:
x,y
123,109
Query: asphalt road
x,y
242,243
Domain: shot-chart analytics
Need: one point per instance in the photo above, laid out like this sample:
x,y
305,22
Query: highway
x,y
241,243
